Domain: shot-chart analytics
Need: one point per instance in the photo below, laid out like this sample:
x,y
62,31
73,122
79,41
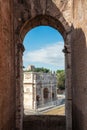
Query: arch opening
x,y
44,62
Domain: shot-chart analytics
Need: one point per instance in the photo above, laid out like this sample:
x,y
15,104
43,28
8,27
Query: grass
x,y
56,111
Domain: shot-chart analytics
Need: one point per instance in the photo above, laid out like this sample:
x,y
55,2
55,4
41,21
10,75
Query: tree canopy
x,y
44,70
61,79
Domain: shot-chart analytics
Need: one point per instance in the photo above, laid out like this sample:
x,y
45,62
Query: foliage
x,y
44,70
61,79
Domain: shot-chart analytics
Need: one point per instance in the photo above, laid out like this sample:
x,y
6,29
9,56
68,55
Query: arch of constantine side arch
x,y
17,17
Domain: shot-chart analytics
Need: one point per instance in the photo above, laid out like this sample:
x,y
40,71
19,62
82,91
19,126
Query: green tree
x,y
61,79
44,70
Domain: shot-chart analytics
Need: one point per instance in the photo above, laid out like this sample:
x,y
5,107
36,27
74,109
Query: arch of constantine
x,y
39,89
17,17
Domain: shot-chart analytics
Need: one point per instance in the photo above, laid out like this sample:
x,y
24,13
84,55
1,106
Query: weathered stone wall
x,y
7,73
79,64
44,122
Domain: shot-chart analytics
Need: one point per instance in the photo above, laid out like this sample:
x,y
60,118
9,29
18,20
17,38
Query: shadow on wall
x,y
79,80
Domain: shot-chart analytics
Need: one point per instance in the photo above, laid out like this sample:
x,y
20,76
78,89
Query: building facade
x,y
39,89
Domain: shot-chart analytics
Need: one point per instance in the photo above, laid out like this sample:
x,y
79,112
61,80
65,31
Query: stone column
x,y
19,86
33,90
68,87
32,96
42,95
51,93
34,101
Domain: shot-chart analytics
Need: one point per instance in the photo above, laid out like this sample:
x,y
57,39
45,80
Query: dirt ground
x,y
56,111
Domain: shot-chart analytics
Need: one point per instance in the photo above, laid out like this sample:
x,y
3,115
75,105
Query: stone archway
x,y
24,23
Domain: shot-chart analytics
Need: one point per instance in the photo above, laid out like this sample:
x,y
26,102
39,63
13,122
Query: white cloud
x,y
51,55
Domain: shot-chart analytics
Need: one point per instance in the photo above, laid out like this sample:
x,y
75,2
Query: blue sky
x,y
43,48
